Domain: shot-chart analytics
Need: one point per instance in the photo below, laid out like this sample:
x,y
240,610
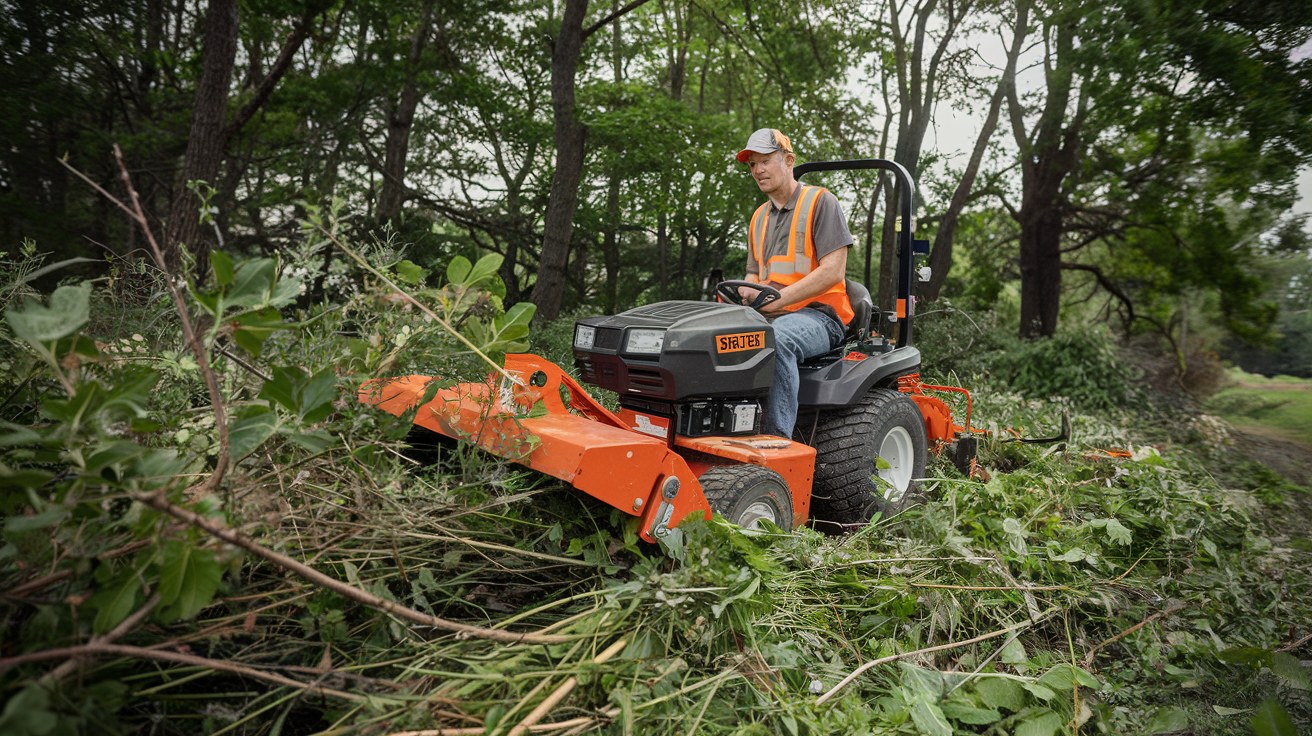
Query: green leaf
x,y
14,435
1117,532
314,441
411,274
26,713
1001,692
1221,710
485,268
1272,720
1064,676
1246,655
1043,723
283,386
881,463
248,433
69,310
252,283
315,399
457,270
188,578
539,410
20,524
1168,720
929,718
115,602
970,714
222,266
1288,667
1039,691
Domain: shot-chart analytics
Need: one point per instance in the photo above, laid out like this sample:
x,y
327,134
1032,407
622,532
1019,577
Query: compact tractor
x,y
691,377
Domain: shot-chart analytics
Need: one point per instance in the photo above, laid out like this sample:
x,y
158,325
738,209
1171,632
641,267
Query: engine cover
x,y
678,350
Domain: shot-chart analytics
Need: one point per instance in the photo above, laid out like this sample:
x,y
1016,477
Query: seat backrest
x,y
862,306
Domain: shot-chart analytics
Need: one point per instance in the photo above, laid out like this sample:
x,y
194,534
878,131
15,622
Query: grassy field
x,y
1279,407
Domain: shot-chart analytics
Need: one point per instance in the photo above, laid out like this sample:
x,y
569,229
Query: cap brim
x,y
743,154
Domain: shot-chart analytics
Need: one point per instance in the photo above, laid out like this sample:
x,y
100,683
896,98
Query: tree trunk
x,y
400,119
1045,162
940,259
662,250
610,249
1040,263
205,143
571,136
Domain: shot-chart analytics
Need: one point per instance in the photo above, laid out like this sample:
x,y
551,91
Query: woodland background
x,y
1133,163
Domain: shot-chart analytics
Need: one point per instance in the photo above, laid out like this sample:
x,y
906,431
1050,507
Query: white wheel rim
x,y
752,516
898,451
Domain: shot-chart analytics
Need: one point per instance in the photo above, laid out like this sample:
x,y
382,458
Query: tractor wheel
x,y
747,495
885,423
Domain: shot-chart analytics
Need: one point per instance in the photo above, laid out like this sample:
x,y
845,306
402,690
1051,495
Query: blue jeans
x,y
798,336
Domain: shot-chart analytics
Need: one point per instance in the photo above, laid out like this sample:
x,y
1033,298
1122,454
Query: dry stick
x,y
431,314
479,730
1021,588
1295,645
343,589
559,693
40,583
164,656
184,316
885,660
1088,658
114,634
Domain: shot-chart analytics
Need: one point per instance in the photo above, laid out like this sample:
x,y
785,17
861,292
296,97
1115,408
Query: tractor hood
x,y
677,350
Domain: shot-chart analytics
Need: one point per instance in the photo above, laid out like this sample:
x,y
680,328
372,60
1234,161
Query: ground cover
x,y
1279,407
1139,578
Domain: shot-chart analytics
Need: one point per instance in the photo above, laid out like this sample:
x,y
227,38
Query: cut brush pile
x,y
327,583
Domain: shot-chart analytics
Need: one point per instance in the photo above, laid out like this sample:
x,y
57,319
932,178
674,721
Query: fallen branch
x,y
175,657
158,502
114,634
560,692
1021,588
893,658
1088,658
189,335
1295,645
40,583
480,730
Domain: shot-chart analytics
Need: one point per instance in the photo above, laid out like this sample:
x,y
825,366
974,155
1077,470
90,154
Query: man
x,y
797,242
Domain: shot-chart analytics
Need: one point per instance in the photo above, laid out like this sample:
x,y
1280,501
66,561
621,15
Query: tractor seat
x,y
862,306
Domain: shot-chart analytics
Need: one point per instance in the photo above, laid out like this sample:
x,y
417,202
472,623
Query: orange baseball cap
x,y
765,140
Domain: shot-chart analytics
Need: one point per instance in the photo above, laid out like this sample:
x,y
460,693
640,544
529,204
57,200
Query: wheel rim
x,y
752,516
898,451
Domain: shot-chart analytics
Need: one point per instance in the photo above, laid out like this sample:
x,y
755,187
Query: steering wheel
x,y
728,290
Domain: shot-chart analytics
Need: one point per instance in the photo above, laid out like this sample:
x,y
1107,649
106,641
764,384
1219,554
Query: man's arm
x,y
831,271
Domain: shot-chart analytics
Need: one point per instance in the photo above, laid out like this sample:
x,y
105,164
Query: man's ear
x,y
789,160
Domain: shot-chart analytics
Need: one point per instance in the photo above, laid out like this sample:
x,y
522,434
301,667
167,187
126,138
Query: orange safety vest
x,y
790,267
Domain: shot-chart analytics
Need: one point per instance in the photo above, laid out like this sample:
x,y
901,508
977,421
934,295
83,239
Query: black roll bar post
x,y
906,261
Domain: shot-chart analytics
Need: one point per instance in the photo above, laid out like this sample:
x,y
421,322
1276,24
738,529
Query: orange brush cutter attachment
x,y
583,443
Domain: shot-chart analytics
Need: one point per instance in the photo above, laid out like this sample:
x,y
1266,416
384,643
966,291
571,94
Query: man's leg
x,y
798,336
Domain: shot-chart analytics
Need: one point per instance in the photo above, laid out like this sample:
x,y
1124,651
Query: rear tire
x,y
847,441
747,495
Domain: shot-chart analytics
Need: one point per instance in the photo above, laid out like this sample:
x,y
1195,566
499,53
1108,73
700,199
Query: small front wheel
x,y
748,495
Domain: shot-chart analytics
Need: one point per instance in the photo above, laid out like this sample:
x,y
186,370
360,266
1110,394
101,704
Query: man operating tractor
x,y
797,243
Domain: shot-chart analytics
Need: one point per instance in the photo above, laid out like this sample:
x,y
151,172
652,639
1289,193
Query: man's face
x,y
770,170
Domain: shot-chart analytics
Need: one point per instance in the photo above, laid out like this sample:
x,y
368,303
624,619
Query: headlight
x,y
645,341
585,336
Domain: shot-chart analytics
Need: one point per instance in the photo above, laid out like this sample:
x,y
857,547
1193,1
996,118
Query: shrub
x,y
1081,365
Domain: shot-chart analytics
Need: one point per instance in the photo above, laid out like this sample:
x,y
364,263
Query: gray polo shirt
x,y
828,230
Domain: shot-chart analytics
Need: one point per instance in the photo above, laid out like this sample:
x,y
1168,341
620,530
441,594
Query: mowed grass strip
x,y
1278,407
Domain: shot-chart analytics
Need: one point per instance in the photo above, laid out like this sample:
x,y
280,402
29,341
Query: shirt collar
x,y
792,201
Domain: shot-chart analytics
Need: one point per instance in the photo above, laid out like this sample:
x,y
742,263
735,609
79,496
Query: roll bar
x,y
906,261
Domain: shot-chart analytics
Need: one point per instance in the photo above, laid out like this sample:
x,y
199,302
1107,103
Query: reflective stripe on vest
x,y
789,267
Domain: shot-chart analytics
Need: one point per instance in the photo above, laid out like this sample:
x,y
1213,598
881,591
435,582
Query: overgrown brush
x,y
1103,585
